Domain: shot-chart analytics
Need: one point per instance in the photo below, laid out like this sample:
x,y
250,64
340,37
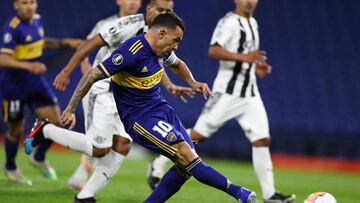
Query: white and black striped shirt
x,y
236,34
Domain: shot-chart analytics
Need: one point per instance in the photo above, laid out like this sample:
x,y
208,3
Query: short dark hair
x,y
152,2
169,20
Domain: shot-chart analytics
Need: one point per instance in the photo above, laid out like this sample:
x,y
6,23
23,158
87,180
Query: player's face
x,y
129,7
168,40
26,8
159,7
247,6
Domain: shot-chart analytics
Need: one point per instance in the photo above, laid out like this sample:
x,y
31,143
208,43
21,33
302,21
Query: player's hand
x,y
181,92
37,68
61,81
255,56
68,118
85,66
262,69
202,88
73,43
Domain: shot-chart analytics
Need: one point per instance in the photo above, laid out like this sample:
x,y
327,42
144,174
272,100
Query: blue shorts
x,y
15,98
158,129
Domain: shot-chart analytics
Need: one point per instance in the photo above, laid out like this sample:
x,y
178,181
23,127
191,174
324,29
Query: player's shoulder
x,y
132,46
230,16
13,22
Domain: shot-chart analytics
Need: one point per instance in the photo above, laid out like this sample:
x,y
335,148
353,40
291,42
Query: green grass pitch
x,y
129,184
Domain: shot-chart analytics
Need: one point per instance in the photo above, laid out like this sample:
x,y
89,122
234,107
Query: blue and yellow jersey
x,y
135,73
23,41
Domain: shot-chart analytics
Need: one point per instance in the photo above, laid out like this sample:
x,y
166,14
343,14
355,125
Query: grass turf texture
x,y
129,184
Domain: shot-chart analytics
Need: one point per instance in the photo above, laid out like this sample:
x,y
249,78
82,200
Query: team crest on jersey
x,y
117,59
41,32
171,137
7,38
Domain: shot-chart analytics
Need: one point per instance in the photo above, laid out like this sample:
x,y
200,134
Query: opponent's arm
x,y
258,57
217,52
183,72
62,79
82,88
8,61
52,43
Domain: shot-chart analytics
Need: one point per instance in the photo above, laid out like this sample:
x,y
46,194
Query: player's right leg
x,y
13,113
212,117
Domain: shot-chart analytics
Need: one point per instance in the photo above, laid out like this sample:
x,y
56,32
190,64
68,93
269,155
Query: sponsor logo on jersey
x,y
117,59
112,30
28,38
99,139
144,70
7,38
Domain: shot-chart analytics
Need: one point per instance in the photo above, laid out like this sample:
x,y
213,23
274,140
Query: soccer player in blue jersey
x,y
23,83
136,68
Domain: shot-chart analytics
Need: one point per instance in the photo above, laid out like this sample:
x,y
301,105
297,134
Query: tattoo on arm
x,y
83,87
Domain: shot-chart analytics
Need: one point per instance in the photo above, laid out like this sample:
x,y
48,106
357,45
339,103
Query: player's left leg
x,y
52,113
254,122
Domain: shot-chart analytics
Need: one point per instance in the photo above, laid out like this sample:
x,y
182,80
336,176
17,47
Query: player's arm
x,y
62,79
217,52
52,43
182,71
81,90
176,90
7,61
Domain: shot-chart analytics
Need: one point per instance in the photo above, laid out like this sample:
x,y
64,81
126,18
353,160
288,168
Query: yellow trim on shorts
x,y
6,110
168,148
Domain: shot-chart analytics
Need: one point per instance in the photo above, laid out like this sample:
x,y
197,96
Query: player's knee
x,y
184,154
97,152
16,130
196,136
121,145
265,142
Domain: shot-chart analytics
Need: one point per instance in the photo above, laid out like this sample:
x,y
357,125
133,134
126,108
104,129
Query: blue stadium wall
x,y
312,97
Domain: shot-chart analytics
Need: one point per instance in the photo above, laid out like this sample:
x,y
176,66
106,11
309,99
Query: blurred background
x,y
312,96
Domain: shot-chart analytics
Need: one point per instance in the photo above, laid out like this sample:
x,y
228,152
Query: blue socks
x,y
41,150
169,185
11,149
176,177
209,176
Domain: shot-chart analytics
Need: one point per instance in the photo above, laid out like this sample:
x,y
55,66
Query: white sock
x,y
84,168
159,165
73,140
103,172
263,168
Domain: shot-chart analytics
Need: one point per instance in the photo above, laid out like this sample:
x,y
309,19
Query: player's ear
x,y
162,33
15,4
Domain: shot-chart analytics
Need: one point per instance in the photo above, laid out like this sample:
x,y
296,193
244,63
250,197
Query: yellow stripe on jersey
x,y
127,80
104,69
29,51
14,22
136,47
168,148
6,109
6,51
136,43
